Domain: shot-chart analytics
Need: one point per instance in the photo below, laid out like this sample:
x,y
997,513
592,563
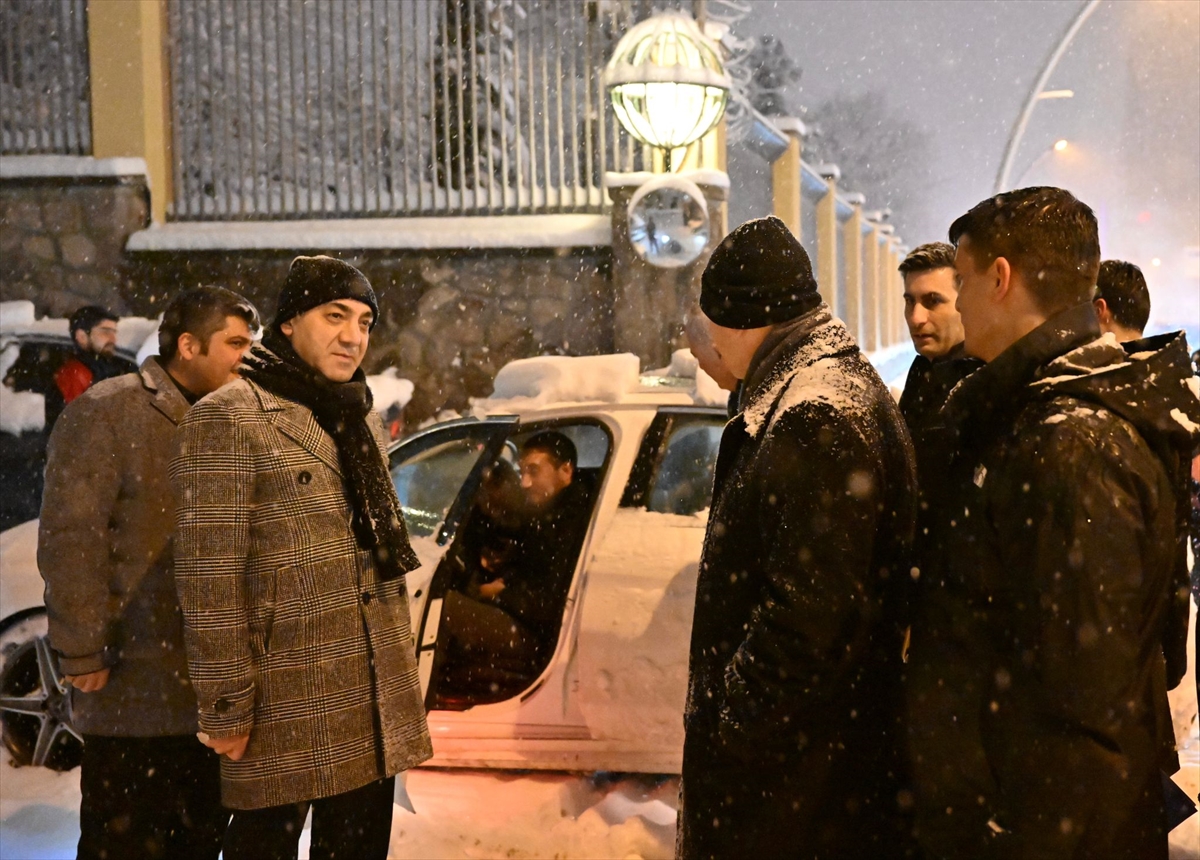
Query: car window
x,y
430,471
683,482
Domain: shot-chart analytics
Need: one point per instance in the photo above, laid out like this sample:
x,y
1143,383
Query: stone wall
x,y
450,319
62,241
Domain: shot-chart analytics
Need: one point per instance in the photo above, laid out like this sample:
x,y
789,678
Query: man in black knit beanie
x,y
791,718
290,561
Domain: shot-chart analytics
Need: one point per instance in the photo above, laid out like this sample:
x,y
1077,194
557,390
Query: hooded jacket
x,y
1056,591
795,651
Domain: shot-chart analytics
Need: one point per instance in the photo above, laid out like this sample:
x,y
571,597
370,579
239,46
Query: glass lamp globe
x,y
667,82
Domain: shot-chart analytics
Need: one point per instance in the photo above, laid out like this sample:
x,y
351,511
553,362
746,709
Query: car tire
x,y
35,712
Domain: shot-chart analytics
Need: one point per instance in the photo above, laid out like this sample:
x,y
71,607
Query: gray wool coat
x,y
291,635
104,550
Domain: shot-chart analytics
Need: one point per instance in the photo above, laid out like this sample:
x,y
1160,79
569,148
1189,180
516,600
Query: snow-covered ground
x,y
459,814
465,814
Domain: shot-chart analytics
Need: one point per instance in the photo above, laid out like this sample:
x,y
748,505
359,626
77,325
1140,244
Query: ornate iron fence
x,y
45,99
290,109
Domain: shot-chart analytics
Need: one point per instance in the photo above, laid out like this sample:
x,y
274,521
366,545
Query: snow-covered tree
x,y
771,71
474,75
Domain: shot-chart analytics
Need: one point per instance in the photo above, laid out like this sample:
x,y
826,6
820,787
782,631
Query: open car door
x,y
436,475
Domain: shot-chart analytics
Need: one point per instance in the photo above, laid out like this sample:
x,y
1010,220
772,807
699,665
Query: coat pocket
x,y
263,588
296,609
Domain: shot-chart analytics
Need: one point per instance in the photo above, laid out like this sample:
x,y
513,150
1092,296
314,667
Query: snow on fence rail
x,y
284,109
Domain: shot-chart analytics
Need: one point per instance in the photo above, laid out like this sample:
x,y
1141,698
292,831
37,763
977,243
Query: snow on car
x,y
610,694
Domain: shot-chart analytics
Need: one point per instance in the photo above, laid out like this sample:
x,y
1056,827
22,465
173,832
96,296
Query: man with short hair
x,y
1122,300
104,548
1037,685
291,554
518,612
791,733
930,293
94,332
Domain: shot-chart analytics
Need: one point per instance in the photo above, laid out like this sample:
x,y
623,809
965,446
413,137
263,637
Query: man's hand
x,y
234,747
489,590
90,683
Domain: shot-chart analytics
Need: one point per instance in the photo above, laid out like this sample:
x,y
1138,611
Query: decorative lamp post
x,y
667,82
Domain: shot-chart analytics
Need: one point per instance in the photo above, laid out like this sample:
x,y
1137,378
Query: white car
x,y
610,693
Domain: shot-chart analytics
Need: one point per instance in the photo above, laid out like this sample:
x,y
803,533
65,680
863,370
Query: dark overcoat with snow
x,y
795,655
291,634
1037,679
104,550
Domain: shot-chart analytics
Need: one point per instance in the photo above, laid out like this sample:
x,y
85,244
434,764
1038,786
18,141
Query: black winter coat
x,y
926,388
790,720
1037,684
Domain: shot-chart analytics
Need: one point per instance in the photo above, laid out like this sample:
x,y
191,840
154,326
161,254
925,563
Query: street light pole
x,y
1018,130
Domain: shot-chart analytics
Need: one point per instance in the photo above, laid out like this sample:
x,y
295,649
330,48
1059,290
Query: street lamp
x,y
667,82
1035,94
1059,146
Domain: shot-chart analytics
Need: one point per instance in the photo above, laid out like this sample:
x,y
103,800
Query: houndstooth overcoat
x,y
291,635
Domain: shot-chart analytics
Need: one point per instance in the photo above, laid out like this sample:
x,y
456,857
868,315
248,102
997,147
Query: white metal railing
x,y
45,94
286,109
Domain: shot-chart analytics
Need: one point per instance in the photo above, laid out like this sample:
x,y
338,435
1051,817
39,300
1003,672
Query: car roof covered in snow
x,y
535,384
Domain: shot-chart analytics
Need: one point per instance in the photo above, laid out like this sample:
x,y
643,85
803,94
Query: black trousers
x,y
150,798
354,825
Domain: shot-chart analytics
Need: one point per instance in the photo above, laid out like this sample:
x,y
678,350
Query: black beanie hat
x,y
313,281
758,276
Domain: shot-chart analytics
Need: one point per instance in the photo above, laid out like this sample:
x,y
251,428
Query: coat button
x,y
221,705
366,597
304,477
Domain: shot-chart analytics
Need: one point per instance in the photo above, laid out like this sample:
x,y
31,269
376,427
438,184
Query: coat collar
x,y
167,398
296,421
990,398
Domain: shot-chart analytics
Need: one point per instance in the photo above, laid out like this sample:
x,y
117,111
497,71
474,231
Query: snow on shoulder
x,y
813,375
532,383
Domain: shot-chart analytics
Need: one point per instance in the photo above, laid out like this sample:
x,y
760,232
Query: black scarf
x,y
341,410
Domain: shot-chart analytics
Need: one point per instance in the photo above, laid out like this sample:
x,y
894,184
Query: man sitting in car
x,y
518,610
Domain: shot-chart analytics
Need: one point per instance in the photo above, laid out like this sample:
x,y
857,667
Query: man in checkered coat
x,y
291,557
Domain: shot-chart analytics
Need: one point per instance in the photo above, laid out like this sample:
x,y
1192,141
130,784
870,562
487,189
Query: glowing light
x,y
667,82
1056,94
1156,262
1060,145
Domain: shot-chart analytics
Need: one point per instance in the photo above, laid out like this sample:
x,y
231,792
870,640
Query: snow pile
x,y
708,393
479,814
389,389
20,411
15,315
684,365
532,383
